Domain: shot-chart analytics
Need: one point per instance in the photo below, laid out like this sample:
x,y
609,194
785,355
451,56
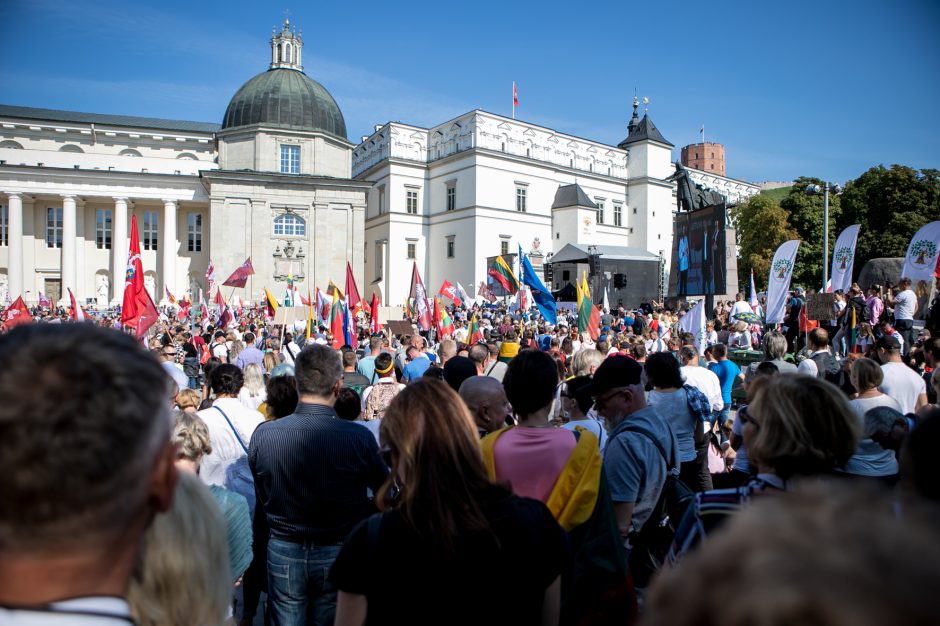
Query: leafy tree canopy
x,y
762,225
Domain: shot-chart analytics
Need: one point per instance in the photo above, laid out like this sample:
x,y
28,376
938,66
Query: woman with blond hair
x,y
446,529
253,393
795,426
182,577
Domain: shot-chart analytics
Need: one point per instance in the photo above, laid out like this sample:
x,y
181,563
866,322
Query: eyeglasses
x,y
746,417
602,399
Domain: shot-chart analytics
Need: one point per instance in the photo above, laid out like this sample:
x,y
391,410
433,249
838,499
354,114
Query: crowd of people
x,y
509,471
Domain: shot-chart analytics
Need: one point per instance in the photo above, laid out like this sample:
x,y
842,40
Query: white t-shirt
x,y
226,449
705,381
903,384
905,303
740,306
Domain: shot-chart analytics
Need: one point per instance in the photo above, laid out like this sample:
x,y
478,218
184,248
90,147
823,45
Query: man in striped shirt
x,y
312,476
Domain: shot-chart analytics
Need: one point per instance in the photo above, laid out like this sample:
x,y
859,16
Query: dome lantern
x,y
286,48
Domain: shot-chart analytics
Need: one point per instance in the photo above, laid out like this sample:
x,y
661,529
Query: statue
x,y
689,194
102,289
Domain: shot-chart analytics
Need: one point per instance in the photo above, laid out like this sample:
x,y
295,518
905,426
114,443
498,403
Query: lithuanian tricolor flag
x,y
270,303
476,335
589,317
502,273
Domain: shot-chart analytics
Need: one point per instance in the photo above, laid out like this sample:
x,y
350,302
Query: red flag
x,y
16,314
219,302
77,313
422,309
147,314
436,318
374,312
240,276
353,301
133,280
515,95
336,320
449,291
305,301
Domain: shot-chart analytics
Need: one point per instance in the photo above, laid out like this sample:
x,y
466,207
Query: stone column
x,y
119,251
69,248
170,248
15,235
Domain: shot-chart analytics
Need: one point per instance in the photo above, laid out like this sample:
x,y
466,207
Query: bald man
x,y
486,400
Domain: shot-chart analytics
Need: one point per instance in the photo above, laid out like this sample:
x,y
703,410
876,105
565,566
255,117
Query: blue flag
x,y
544,299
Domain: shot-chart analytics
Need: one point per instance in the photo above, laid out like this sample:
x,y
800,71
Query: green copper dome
x,y
285,98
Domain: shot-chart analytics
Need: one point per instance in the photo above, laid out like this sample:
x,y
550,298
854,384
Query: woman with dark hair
x,y
681,405
446,530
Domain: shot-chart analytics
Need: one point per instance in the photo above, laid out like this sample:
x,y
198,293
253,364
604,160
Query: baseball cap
x,y
616,371
889,342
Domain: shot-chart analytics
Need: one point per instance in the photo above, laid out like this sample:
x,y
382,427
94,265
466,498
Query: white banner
x,y
778,283
693,323
921,256
843,259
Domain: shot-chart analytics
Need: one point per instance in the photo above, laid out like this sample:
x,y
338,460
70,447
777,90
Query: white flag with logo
x,y
693,322
778,283
922,253
843,259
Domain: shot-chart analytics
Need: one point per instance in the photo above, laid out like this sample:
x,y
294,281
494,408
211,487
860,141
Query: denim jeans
x,y
297,583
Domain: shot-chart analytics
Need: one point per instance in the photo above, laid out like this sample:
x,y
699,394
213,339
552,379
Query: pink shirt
x,y
531,459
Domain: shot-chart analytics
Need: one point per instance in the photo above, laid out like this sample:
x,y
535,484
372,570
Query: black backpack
x,y
828,368
652,543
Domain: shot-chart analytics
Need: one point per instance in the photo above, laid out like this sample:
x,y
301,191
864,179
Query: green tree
x,y
806,218
762,225
891,204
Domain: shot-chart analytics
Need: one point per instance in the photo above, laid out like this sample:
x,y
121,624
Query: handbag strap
x,y
230,425
670,461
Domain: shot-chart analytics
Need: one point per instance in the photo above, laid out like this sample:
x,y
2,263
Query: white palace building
x,y
280,182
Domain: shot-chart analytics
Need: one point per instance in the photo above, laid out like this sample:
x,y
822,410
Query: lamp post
x,y
812,190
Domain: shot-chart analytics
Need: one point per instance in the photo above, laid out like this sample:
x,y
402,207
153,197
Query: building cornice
x,y
297,180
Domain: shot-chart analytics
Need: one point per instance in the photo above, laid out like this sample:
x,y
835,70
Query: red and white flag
x,y
44,301
77,313
138,310
16,314
210,275
450,292
515,95
422,308
169,296
240,276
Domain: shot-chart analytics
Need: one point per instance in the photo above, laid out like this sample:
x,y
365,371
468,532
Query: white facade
x,y
734,190
70,184
482,184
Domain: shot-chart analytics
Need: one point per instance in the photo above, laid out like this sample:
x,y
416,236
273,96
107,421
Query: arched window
x,y
187,156
290,225
69,147
12,145
130,152
287,53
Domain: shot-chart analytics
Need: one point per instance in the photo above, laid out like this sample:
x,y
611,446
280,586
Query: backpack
x,y
652,543
379,398
828,368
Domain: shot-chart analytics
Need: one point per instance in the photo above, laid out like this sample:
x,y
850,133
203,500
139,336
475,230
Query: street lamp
x,y
813,190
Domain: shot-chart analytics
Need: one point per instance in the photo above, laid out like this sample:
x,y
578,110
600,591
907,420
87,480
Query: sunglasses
x,y
746,417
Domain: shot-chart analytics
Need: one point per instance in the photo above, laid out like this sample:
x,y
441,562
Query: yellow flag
x,y
584,285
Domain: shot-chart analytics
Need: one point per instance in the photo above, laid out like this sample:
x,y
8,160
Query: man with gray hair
x,y
775,348
312,475
85,437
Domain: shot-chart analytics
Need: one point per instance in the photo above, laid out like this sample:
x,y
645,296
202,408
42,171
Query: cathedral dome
x,y
285,98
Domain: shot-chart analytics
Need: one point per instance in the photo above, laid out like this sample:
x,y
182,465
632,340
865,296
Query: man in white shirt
x,y
230,423
701,378
905,306
655,344
900,382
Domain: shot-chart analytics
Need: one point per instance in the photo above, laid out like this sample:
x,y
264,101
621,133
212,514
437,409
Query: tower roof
x,y
645,130
572,195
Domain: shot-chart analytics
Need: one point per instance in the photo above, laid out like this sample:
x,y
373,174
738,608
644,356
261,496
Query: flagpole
x,y
513,99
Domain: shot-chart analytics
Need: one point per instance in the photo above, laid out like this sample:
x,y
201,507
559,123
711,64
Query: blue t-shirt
x,y
726,371
415,369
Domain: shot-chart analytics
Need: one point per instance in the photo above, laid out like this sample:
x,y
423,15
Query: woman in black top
x,y
454,548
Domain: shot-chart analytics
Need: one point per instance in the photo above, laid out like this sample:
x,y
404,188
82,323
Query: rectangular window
x,y
54,227
504,247
381,200
4,226
451,198
150,230
450,247
290,159
412,251
103,229
411,205
600,212
194,228
520,199
618,214
379,260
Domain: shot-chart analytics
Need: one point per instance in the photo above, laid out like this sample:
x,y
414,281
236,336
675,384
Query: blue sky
x,y
793,88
